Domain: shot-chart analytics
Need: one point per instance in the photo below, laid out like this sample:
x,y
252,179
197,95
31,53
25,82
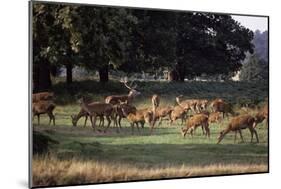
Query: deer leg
x,y
207,130
109,122
255,132
241,136
132,125
93,122
38,119
138,127
203,130
119,121
86,118
160,121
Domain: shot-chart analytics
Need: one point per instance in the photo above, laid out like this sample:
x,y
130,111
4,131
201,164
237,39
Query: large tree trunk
x,y
69,68
41,76
181,71
103,73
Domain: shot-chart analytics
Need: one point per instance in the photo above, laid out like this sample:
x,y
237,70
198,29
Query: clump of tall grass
x,y
49,170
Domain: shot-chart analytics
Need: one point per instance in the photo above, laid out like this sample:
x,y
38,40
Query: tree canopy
x,y
134,40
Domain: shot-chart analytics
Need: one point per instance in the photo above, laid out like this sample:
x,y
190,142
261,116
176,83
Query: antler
x,y
125,82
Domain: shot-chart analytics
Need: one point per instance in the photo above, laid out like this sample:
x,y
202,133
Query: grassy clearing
x,y
83,156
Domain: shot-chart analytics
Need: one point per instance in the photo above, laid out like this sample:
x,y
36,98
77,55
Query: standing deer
x,y
97,109
237,124
195,121
155,104
36,97
116,99
262,115
44,107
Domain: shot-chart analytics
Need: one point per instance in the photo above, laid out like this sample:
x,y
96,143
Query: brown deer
x,y
189,104
212,103
237,124
214,117
155,99
119,112
115,99
36,97
201,105
97,109
195,121
177,113
138,116
159,114
262,115
83,113
223,107
44,107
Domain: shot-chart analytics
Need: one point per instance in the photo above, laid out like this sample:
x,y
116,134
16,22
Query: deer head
x,y
133,92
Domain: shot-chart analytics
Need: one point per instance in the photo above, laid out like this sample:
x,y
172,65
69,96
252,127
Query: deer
x,y
215,101
115,99
83,113
160,113
138,116
214,117
177,113
195,121
262,115
238,123
119,113
223,107
44,107
36,97
155,99
201,105
97,109
189,104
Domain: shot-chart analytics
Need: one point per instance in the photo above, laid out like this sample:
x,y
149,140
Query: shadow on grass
x,y
159,155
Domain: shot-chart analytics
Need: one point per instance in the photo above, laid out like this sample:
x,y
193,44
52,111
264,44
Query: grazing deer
x,y
115,99
44,107
83,113
237,124
36,97
97,109
194,122
262,115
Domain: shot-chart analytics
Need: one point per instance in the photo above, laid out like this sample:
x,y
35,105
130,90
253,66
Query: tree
x,y
55,42
254,70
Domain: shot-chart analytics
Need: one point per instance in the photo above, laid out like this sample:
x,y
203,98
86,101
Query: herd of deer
x,y
116,107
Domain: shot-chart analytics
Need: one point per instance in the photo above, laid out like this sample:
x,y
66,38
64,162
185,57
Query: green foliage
x,y
254,70
135,40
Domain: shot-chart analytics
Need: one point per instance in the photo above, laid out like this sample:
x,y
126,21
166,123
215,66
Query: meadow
x,y
82,156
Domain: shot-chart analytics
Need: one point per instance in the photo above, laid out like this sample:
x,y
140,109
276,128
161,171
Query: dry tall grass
x,y
49,170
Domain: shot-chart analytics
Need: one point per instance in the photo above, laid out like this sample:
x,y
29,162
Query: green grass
x,y
165,146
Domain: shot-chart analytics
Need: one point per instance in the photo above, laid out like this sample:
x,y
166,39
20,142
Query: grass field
x,y
83,156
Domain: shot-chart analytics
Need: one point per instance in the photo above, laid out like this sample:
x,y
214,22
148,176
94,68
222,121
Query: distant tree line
x,y
255,66
134,40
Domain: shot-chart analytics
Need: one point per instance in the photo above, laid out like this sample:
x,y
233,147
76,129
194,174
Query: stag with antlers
x,y
115,99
